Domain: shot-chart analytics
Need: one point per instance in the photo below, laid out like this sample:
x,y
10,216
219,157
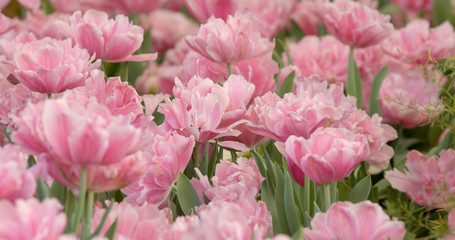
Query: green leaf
x,y
233,156
186,194
260,163
443,11
42,189
298,234
374,93
287,85
354,82
290,205
57,191
344,191
110,234
280,208
296,32
7,134
361,190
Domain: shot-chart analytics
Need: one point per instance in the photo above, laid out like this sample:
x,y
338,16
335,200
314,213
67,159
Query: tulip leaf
x,y
374,93
7,134
354,82
259,163
287,85
361,190
57,190
344,191
280,205
42,190
443,11
290,205
187,195
103,220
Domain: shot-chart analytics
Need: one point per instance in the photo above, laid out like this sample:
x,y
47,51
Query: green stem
x,y
89,208
229,66
327,197
307,198
49,95
80,206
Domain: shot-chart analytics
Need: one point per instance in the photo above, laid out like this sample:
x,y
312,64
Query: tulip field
x,y
227,119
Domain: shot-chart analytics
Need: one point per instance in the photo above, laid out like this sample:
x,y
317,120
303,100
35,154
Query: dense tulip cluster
x,y
227,119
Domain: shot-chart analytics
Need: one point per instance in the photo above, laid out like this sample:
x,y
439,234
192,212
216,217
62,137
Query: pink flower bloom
x,y
307,16
207,110
232,182
52,66
300,114
119,97
16,181
42,25
134,6
13,98
224,220
377,135
411,107
270,15
100,178
356,24
167,27
140,223
202,10
428,181
416,42
329,155
112,40
345,220
415,5
166,157
231,41
30,219
75,134
326,57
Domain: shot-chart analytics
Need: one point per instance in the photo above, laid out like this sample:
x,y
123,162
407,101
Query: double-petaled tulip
x,y
345,221
51,66
329,155
428,181
356,24
230,41
112,40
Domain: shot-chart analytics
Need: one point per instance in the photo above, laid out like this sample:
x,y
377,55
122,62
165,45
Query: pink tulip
x,y
307,16
300,114
270,15
140,223
134,6
329,155
224,220
345,220
416,42
30,219
202,10
411,107
167,28
42,25
326,57
166,157
232,182
52,66
75,134
119,97
16,181
13,98
415,5
207,110
355,24
377,135
229,41
100,178
112,40
428,181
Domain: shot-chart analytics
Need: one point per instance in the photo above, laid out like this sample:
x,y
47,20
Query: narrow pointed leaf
x,y
374,93
186,194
